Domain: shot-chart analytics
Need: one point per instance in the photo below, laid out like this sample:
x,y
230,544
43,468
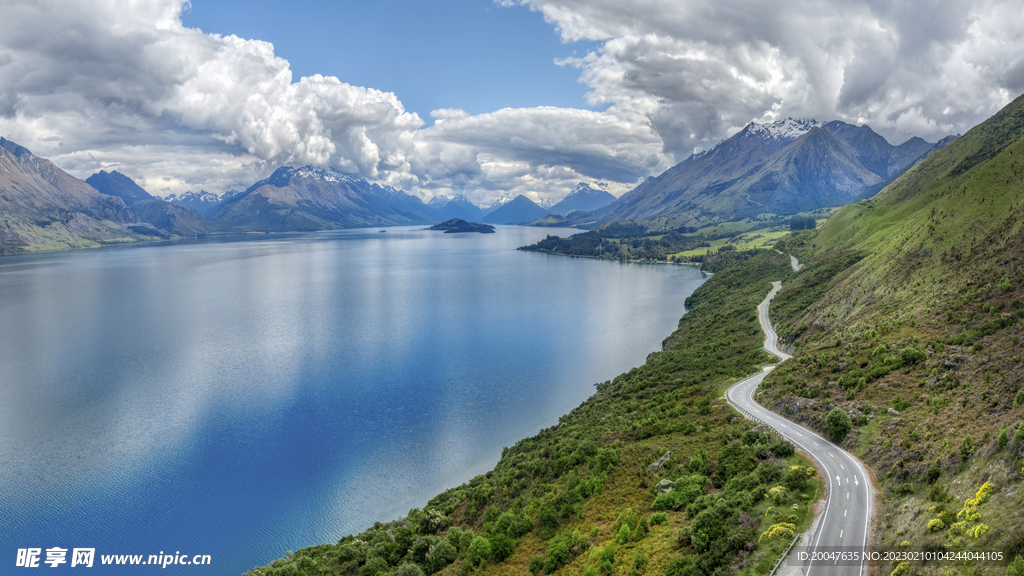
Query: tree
x,y
479,550
839,424
409,569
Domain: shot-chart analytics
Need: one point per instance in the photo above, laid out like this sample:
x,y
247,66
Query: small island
x,y
456,225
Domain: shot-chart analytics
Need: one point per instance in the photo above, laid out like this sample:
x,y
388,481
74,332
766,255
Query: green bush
x,y
1019,398
1016,568
658,518
839,424
441,556
966,448
624,534
409,569
911,356
1004,438
1018,435
536,564
479,550
558,553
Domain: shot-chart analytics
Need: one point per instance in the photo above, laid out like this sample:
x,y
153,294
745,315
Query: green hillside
x,y
909,317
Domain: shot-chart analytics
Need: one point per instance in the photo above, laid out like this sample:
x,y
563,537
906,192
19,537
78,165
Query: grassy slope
x,y
909,318
556,503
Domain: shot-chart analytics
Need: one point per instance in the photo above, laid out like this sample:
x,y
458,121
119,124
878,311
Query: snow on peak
x,y
505,199
442,200
323,174
788,129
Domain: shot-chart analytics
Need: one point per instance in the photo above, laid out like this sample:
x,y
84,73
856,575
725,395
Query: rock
x,y
930,382
892,411
665,485
659,464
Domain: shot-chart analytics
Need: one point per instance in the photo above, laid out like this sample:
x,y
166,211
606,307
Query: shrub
x,y
839,424
911,356
479,550
409,569
623,534
781,531
1016,568
902,569
1004,438
966,448
936,525
1019,398
558,553
501,547
658,518
1018,435
441,556
536,564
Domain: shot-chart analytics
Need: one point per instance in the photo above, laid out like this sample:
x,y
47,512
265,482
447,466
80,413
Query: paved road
x,y
847,513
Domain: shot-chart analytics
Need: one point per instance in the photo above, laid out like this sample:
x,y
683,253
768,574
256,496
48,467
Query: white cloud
x,y
703,68
121,84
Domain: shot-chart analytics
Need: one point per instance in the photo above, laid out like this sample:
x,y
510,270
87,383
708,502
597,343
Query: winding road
x,y
844,524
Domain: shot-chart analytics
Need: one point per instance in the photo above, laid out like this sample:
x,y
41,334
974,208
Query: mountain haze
x,y
583,198
518,210
448,207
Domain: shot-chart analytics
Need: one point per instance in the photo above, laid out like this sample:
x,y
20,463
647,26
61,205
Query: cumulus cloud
x,y
122,84
124,74
702,69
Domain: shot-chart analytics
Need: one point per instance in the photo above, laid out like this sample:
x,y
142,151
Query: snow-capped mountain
x,y
780,167
458,206
515,211
311,198
788,129
505,199
203,202
583,198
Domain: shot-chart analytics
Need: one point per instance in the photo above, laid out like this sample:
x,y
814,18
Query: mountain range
x,y
44,208
780,168
783,167
203,202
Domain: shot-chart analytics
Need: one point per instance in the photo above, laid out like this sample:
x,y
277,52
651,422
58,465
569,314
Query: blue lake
x,y
245,397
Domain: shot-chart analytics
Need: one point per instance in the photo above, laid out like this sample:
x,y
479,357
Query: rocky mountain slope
x,y
301,199
781,168
518,210
42,207
584,198
448,207
203,202
116,184
156,217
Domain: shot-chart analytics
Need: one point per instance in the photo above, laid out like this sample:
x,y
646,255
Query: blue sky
x,y
465,96
468,54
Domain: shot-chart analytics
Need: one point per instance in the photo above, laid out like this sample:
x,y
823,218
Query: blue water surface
x,y
245,397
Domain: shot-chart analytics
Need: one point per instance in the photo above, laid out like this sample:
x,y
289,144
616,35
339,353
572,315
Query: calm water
x,y
245,398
